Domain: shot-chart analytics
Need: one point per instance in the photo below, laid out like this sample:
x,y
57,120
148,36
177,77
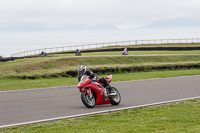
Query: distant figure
x,y
43,54
78,53
125,52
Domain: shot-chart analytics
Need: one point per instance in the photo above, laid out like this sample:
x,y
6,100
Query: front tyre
x,y
115,100
88,101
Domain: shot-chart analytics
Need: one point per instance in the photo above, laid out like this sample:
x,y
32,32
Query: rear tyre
x,y
87,101
115,100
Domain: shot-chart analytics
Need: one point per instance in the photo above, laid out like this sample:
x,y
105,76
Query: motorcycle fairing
x,y
99,93
109,78
84,82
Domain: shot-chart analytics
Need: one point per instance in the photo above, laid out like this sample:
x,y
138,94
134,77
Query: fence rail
x,y
37,52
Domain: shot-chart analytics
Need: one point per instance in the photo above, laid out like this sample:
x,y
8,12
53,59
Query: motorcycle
x,y
93,93
78,54
124,52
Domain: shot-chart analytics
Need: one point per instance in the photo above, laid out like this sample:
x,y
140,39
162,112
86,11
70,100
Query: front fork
x,y
105,93
89,92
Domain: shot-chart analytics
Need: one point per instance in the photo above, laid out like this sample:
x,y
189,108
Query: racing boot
x,y
110,91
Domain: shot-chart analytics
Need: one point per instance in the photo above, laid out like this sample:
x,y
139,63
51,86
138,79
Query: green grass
x,y
59,65
19,84
173,118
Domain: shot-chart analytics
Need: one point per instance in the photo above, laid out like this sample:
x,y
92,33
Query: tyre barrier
x,y
5,59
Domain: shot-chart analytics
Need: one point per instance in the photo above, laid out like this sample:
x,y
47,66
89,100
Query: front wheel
x,y
115,99
88,101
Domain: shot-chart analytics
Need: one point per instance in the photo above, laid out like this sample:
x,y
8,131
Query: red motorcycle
x,y
93,93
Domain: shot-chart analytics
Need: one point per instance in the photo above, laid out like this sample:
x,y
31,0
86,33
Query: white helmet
x,y
81,70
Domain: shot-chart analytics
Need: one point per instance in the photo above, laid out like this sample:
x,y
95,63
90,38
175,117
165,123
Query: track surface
x,y
38,104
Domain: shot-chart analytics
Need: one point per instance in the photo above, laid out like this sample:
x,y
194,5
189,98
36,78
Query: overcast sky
x,y
119,13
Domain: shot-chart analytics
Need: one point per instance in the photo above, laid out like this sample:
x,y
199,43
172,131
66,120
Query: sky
x,y
33,24
92,14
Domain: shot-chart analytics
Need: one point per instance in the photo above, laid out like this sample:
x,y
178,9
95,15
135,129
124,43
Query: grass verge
x,y
19,84
176,118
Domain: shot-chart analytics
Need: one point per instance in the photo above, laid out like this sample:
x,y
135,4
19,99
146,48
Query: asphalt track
x,y
41,104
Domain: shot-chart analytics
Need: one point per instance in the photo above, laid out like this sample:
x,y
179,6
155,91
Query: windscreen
x,y
82,78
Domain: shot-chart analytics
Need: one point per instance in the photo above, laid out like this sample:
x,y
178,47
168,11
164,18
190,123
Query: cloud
x,y
53,14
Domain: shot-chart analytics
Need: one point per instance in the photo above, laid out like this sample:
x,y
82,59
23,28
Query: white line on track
x,y
98,112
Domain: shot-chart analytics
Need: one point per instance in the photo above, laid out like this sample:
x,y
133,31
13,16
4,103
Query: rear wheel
x,y
115,100
87,100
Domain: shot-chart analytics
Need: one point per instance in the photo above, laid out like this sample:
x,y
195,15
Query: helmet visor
x,y
81,72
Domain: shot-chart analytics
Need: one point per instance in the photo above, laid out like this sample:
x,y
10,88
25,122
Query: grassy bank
x,y
19,84
39,67
176,118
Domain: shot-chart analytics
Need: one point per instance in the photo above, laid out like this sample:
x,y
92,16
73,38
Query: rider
x,y
77,51
126,50
82,70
